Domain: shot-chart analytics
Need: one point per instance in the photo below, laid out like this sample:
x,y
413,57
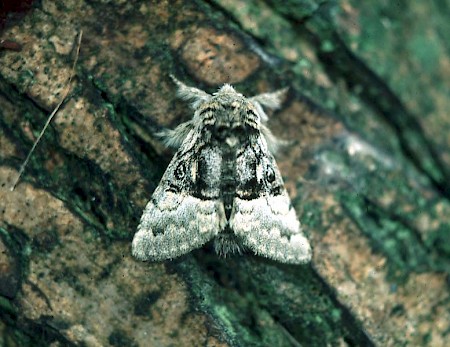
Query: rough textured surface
x,y
367,167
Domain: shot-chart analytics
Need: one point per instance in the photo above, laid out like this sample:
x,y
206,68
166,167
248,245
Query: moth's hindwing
x,y
263,217
185,211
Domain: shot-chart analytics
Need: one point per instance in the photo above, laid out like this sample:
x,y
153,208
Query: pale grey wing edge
x,y
269,227
175,226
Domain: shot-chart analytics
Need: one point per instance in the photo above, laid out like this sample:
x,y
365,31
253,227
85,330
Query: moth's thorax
x,y
229,116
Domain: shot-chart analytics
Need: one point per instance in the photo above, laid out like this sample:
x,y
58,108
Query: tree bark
x,y
367,167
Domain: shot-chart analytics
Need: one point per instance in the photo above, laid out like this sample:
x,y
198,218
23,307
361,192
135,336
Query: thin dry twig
x,y
52,115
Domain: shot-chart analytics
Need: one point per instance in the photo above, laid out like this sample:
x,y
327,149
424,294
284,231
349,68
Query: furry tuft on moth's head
x,y
226,89
223,183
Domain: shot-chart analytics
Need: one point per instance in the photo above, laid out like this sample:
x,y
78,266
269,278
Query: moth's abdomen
x,y
228,177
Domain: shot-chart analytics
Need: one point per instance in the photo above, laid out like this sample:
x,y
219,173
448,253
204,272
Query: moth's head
x,y
227,97
226,89
227,94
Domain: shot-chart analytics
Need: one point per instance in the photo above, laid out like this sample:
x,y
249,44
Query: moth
x,y
223,184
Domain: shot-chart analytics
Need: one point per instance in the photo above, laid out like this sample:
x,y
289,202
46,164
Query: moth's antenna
x,y
49,119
